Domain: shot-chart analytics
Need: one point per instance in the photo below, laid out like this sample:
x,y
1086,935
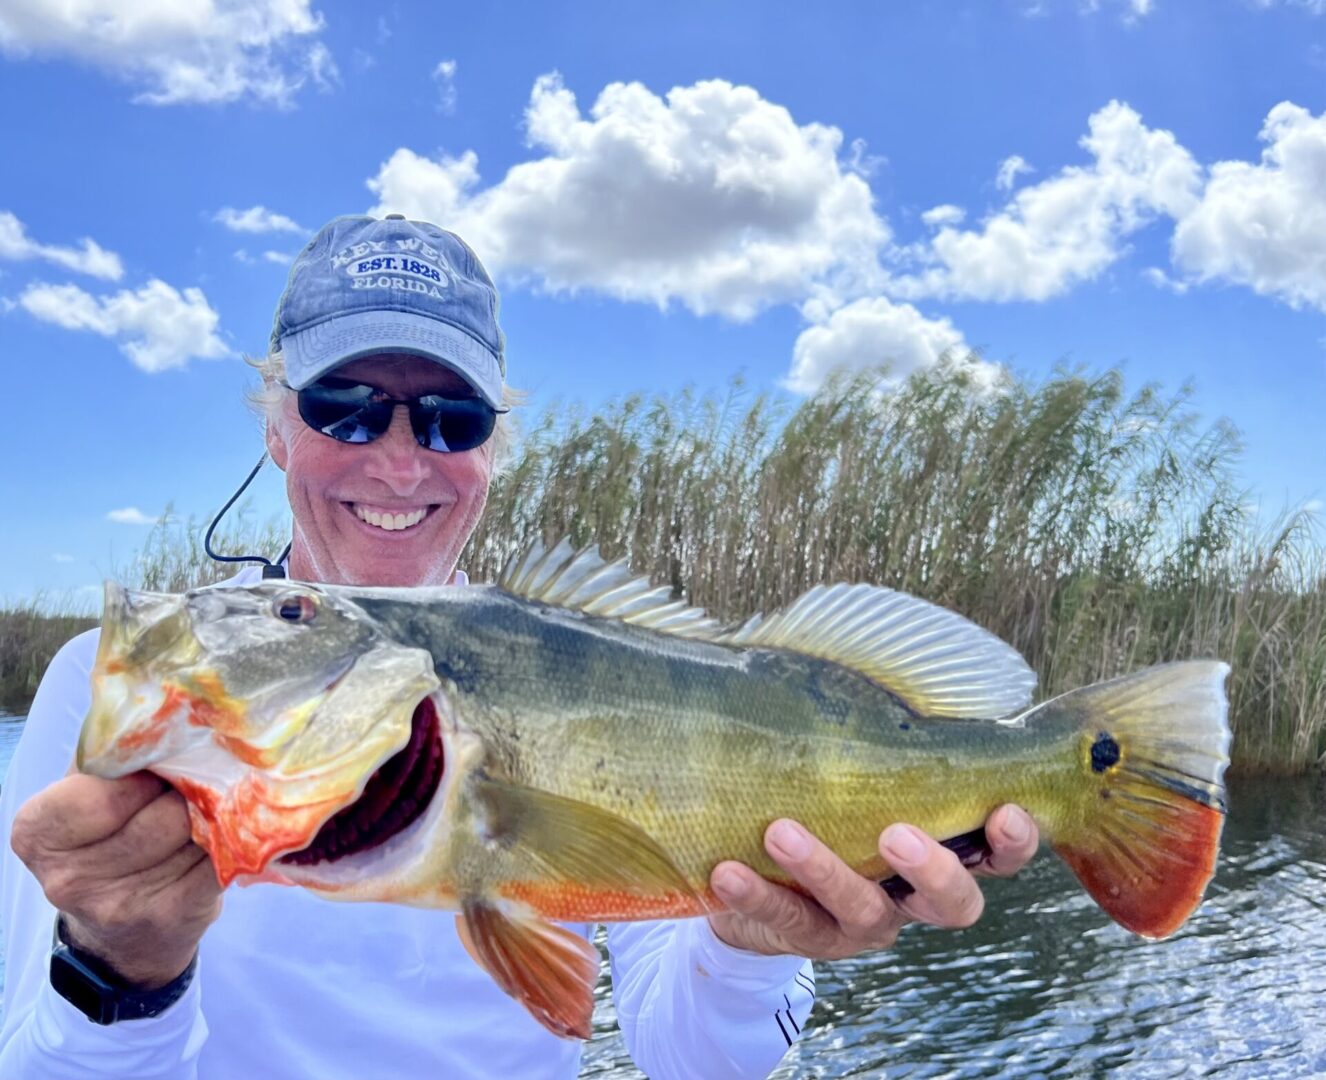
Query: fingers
x,y
171,870
199,891
946,894
1013,838
159,828
773,919
79,810
843,914
857,904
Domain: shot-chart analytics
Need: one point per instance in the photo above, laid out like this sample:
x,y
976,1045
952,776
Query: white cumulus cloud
x,y
709,196
869,332
1133,10
256,219
209,51
61,557
1315,7
1161,280
88,258
1010,169
1264,225
1068,228
445,77
944,214
157,326
131,515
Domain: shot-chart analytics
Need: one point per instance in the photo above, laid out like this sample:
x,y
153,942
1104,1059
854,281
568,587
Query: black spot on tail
x,y
1104,752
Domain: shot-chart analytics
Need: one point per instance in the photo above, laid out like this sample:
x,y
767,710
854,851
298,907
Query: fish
x,y
572,744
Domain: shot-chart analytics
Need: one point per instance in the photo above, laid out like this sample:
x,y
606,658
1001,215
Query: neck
x,y
303,566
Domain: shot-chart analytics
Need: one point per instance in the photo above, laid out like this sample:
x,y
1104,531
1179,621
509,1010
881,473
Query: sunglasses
x,y
352,412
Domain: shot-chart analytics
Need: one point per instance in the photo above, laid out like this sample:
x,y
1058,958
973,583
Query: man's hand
x,y
851,914
115,857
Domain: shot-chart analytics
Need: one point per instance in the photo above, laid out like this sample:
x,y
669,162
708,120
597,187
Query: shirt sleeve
x,y
690,1005
43,1036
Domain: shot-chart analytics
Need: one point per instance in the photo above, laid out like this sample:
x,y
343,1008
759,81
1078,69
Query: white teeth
x,y
390,522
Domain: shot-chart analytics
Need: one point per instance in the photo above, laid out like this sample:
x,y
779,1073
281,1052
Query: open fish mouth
x,y
394,798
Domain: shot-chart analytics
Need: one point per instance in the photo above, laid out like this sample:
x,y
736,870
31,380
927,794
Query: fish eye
x,y
295,608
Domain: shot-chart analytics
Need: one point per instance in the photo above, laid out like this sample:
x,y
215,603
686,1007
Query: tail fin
x,y
1154,749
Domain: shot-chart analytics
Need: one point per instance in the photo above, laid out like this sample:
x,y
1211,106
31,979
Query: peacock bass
x,y
572,744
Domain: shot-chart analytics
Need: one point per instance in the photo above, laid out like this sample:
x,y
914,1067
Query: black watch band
x,y
93,988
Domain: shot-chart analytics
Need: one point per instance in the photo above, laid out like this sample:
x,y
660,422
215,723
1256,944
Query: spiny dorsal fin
x,y
583,581
939,663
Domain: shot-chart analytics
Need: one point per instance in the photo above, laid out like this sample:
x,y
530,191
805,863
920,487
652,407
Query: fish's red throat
x,y
395,797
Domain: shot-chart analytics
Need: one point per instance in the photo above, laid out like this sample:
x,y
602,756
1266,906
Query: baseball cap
x,y
366,285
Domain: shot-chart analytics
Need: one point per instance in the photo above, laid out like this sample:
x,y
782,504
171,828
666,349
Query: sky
x,y
667,195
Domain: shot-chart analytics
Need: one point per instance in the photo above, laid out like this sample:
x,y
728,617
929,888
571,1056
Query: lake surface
x,y
1046,986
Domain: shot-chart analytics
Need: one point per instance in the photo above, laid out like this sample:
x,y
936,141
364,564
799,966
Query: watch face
x,y
81,988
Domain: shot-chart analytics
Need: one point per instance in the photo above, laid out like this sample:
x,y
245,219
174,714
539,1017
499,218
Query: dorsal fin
x,y
939,663
584,581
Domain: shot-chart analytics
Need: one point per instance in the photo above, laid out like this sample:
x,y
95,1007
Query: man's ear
x,y
276,448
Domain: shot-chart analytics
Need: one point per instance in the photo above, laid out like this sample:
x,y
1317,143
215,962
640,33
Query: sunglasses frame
x,y
381,406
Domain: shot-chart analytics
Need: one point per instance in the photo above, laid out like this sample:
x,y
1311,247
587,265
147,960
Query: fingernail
x,y
790,840
903,844
1017,826
730,884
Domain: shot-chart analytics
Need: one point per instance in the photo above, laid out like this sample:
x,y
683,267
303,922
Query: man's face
x,y
335,488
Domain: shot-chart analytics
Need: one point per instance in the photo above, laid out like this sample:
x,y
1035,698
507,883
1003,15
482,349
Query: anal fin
x,y
548,969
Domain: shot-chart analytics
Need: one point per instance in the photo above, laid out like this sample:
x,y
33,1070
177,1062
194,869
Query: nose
x,y
396,458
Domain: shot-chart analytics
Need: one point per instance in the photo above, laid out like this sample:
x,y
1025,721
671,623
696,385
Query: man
x,y
282,983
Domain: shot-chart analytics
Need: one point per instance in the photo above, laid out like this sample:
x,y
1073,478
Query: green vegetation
x,y
29,637
1096,531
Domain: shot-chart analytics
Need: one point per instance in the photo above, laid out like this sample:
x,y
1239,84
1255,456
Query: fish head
x,y
268,707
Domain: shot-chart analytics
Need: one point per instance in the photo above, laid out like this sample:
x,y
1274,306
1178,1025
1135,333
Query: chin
x,y
396,572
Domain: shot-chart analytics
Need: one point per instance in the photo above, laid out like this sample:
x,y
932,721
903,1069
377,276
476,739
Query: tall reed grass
x,y
29,637
1097,531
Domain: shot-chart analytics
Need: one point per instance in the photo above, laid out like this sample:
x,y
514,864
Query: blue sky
x,y
668,194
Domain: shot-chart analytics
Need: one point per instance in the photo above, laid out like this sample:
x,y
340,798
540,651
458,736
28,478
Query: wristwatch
x,y
91,986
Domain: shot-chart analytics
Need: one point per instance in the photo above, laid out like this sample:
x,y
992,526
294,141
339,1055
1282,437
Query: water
x,y
1045,986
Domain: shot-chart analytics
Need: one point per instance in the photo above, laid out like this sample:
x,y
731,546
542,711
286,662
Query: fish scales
x,y
699,743
585,747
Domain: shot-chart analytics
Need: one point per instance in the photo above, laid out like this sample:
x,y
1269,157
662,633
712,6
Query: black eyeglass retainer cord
x,y
269,569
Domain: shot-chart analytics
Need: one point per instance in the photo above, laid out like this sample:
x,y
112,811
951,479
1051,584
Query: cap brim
x,y
312,353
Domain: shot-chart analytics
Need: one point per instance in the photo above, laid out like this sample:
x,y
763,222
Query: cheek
x,y
469,474
313,459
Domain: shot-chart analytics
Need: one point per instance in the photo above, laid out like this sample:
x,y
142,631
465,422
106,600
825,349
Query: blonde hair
x,y
265,400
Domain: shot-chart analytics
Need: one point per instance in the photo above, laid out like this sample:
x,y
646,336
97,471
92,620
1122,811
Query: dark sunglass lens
x,y
452,424
347,414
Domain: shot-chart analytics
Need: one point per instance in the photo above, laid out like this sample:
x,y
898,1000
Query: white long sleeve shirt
x,y
291,985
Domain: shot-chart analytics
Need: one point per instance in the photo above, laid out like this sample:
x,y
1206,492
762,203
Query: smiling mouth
x,y
395,797
388,520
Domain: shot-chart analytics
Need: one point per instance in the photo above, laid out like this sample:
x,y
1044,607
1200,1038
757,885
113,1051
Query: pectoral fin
x,y
562,840
548,969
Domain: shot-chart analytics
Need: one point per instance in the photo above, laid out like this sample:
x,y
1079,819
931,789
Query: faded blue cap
x,y
364,286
